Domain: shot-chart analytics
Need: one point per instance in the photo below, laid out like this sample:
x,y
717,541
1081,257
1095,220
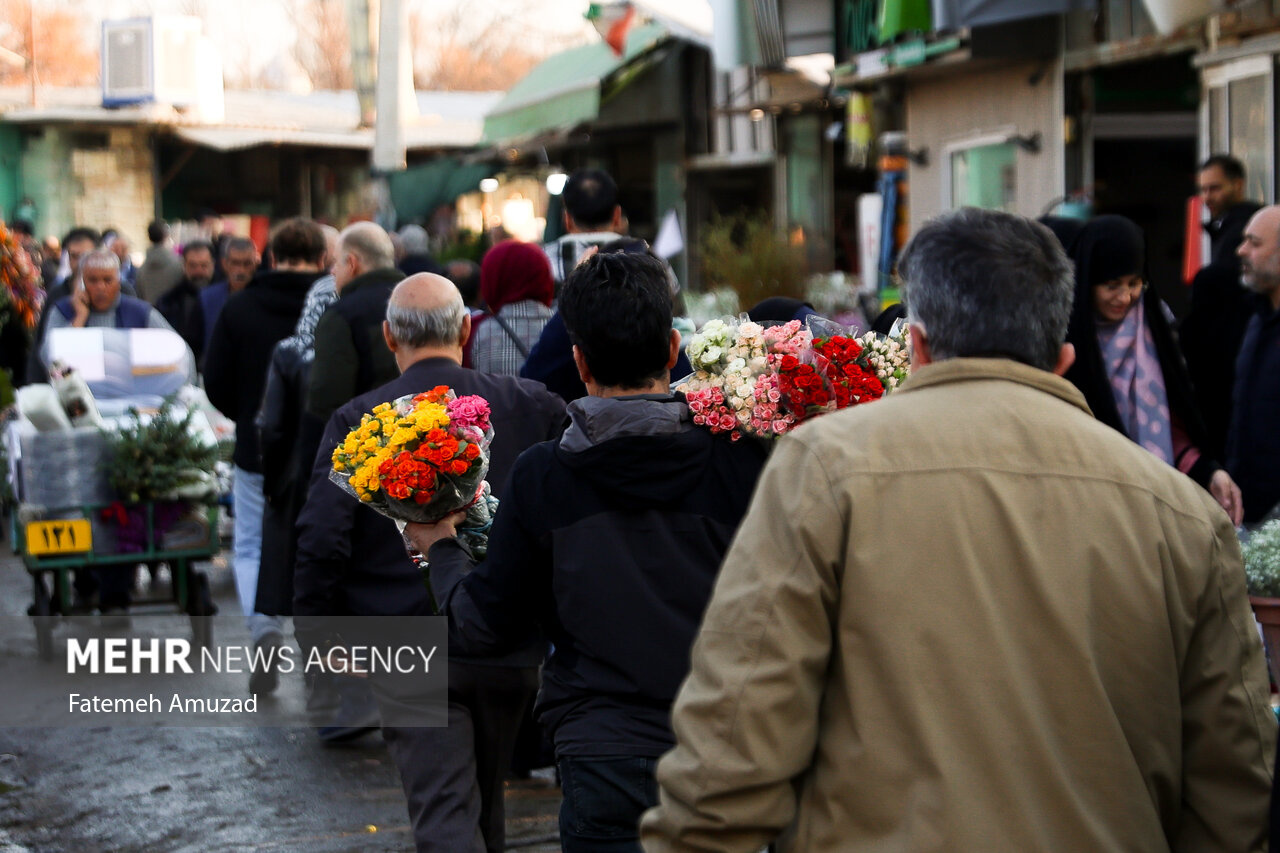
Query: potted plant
x,y
1262,578
156,461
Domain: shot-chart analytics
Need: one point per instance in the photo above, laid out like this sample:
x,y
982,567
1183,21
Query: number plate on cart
x,y
65,536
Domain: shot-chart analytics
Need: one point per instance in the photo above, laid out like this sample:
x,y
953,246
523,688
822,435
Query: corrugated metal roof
x,y
258,117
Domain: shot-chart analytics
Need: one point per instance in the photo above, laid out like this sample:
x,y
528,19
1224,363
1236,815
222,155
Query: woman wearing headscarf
x,y
1128,365
517,288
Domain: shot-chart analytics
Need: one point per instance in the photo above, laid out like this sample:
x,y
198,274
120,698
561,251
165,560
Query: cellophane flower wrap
x,y
418,458
761,381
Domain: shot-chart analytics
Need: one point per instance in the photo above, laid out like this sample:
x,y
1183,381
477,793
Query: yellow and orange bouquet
x,y
418,458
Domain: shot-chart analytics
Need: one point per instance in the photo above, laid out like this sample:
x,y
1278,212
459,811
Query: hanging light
x,y
556,182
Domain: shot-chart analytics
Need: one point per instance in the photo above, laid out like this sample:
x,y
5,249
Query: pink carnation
x,y
469,411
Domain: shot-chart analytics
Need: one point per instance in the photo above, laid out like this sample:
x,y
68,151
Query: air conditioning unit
x,y
151,60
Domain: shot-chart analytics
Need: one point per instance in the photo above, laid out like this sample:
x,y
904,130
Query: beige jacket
x,y
971,618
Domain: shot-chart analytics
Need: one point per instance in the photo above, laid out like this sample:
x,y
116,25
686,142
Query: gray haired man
x,y
350,356
352,561
971,617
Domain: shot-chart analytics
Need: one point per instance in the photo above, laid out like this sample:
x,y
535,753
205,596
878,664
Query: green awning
x,y
564,90
417,191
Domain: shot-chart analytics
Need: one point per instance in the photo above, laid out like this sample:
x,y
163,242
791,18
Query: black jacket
x,y
1227,232
1253,453
609,541
350,559
235,365
181,308
288,438
351,354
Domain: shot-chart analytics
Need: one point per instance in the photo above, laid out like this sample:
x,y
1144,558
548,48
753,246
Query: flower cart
x,y
114,465
62,542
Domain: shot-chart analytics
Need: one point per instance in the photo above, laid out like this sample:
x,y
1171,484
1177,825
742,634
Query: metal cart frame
x,y
190,587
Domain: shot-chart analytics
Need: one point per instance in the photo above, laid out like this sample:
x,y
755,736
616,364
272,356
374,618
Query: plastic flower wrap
x,y
762,381
889,356
418,458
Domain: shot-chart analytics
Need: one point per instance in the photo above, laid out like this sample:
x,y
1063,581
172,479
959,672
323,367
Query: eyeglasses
x,y
1130,284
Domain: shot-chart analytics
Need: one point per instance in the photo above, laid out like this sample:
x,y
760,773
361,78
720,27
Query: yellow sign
x,y
66,536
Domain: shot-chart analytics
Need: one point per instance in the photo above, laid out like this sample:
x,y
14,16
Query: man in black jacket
x,y
235,370
351,357
1211,333
1253,454
609,541
180,305
352,561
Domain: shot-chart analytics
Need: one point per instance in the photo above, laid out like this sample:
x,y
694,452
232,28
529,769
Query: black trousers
x,y
453,776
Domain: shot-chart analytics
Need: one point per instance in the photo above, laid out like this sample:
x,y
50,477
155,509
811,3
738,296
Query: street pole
x,y
388,128
31,49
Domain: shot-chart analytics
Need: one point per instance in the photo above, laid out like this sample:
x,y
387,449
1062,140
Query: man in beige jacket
x,y
970,617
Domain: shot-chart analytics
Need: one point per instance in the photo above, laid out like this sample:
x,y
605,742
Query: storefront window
x,y
1238,118
1248,123
985,176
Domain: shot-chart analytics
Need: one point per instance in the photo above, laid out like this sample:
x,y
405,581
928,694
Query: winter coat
x,y
1253,454
350,559
971,617
351,354
235,366
609,541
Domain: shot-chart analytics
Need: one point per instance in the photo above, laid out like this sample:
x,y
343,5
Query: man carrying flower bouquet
x,y
970,616
609,541
351,561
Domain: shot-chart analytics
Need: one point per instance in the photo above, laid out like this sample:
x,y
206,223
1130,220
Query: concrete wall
x,y
965,104
100,177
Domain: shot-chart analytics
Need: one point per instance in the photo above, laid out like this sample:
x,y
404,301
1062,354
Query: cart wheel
x,y
42,617
201,608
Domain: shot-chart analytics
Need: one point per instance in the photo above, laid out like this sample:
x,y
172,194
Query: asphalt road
x,y
167,788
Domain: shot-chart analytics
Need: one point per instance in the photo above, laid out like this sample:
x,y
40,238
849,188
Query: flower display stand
x,y
1267,612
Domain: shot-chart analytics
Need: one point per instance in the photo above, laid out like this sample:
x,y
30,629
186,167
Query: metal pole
x,y
388,131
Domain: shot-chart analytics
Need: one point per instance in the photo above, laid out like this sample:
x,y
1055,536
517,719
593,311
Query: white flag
x,y
670,240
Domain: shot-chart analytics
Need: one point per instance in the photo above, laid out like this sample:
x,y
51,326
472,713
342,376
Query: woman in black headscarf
x,y
1128,365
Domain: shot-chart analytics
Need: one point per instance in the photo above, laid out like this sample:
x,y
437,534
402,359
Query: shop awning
x,y
958,14
564,90
417,191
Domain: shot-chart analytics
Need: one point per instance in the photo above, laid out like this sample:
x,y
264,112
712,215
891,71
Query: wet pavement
x,y
167,788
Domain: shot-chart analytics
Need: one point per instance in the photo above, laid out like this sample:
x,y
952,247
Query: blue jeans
x,y
603,800
247,489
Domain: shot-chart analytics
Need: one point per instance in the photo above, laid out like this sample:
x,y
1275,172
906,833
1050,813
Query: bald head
x,y
331,236
426,310
1260,254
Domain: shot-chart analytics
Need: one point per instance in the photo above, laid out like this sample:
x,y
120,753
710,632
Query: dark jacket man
x,y
247,330
1210,335
181,308
609,541
352,561
351,356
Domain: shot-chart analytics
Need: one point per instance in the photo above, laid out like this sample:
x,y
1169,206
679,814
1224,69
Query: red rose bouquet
x,y
763,382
